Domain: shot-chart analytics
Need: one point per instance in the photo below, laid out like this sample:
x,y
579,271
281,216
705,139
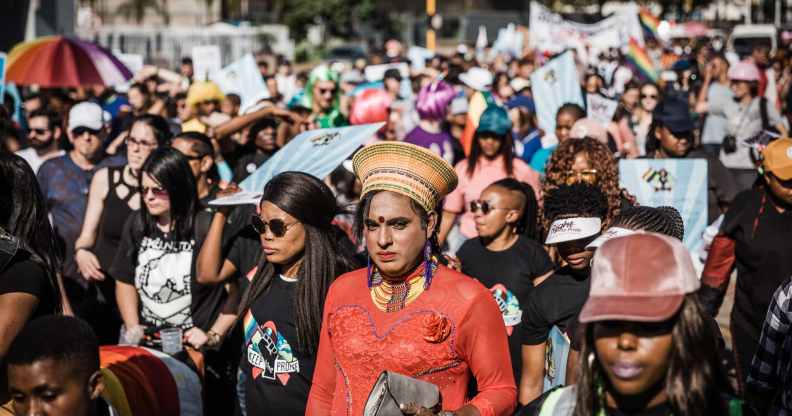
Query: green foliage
x,y
137,9
340,17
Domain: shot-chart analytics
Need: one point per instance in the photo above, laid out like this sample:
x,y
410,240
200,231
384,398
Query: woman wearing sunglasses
x,y
407,312
642,116
648,349
112,198
584,160
491,159
153,268
281,309
506,223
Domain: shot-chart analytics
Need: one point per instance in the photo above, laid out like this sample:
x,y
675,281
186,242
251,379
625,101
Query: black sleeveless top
x,y
114,214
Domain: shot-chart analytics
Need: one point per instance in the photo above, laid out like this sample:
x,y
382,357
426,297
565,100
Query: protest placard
x,y
206,61
555,84
316,152
550,32
556,351
243,78
679,183
600,108
377,72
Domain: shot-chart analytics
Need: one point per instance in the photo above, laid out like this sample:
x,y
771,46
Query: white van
x,y
744,38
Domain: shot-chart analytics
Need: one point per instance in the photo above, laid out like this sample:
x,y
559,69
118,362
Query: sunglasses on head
x,y
157,191
484,206
79,131
276,226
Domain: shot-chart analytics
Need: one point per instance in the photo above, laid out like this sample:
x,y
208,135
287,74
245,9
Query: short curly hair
x,y
600,158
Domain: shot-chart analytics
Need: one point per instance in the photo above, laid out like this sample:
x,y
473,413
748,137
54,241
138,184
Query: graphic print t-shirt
x,y
161,270
509,276
278,377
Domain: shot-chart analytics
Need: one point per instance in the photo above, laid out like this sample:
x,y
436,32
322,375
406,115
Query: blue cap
x,y
496,120
521,101
674,113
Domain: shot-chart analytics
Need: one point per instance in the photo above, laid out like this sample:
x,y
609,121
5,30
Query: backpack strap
x,y
763,113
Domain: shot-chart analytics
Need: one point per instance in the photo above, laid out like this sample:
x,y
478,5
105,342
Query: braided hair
x,y
663,220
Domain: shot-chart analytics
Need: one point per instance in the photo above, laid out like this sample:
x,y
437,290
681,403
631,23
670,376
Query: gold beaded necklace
x,y
393,297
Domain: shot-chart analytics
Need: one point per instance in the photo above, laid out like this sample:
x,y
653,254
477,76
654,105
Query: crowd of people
x,y
428,274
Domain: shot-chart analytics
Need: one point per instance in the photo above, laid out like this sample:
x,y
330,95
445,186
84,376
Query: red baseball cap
x,y
641,277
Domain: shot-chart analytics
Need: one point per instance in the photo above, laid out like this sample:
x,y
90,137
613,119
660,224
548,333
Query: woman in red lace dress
x,y
406,312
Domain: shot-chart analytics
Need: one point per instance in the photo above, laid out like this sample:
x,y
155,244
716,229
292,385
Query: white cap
x,y
519,84
477,78
459,105
571,229
611,232
87,114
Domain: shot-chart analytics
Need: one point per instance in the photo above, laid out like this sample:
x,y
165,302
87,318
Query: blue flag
x,y
316,152
555,84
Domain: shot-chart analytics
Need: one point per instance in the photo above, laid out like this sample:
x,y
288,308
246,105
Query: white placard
x,y
206,61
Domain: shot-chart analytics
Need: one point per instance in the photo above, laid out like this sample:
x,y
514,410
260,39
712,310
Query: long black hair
x,y
325,257
527,224
506,150
171,170
695,382
23,214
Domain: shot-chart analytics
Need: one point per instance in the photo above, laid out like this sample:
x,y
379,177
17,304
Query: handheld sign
x,y
206,61
554,84
556,351
679,183
316,152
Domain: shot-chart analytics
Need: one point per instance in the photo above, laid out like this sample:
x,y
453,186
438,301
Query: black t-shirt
x,y
763,258
509,275
553,303
277,376
23,275
248,164
163,272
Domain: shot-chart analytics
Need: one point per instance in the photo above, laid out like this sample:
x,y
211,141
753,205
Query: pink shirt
x,y
470,188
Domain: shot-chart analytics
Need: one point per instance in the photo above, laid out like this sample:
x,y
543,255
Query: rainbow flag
x,y
649,22
637,56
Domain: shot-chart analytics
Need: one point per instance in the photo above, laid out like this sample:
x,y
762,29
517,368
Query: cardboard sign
x,y
206,61
600,108
679,183
555,84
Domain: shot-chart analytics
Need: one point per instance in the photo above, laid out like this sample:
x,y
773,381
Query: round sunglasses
x,y
276,226
484,206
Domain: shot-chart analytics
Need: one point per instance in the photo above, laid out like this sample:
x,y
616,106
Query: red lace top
x,y
450,331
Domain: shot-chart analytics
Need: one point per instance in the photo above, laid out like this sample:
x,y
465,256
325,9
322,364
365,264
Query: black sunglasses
x,y
79,131
277,226
484,206
39,131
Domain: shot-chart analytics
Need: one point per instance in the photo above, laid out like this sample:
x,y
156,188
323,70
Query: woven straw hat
x,y
405,169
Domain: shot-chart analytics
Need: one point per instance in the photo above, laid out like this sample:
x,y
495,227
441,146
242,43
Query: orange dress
x,y
451,330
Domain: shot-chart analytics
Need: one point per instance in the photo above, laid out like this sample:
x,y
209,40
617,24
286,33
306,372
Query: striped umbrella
x,y
60,61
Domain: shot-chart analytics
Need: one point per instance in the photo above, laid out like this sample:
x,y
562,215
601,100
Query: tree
x,y
341,18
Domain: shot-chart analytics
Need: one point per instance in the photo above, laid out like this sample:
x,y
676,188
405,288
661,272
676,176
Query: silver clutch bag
x,y
393,389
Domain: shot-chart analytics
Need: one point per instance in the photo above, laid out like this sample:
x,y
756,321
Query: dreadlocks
x,y
663,220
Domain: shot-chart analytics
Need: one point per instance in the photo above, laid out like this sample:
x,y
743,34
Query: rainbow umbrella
x,y
60,61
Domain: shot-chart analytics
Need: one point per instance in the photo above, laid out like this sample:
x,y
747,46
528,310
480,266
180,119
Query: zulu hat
x,y
405,169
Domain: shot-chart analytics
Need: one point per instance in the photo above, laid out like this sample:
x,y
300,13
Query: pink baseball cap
x,y
744,71
641,277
